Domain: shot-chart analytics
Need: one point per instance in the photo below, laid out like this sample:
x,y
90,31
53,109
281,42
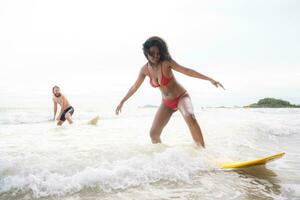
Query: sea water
x,y
116,160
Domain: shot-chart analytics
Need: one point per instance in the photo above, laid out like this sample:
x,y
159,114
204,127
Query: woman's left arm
x,y
190,72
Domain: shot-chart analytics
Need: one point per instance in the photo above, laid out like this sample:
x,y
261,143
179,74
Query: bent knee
x,y
190,118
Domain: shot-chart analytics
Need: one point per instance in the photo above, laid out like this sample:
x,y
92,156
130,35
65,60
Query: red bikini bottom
x,y
173,103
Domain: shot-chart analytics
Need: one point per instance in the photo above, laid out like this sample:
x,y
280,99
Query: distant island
x,y
272,103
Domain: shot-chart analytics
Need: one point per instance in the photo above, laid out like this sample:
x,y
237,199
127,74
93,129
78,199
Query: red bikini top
x,y
164,80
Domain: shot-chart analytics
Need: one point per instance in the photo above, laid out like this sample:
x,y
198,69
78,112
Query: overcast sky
x,y
95,47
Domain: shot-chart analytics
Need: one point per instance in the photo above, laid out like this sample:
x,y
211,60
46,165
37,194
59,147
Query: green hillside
x,y
272,103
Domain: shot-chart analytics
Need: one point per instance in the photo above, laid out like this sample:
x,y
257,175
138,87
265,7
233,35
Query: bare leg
x,y
59,123
186,108
69,118
161,118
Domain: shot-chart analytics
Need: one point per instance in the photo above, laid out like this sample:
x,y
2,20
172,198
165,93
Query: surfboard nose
x,y
249,163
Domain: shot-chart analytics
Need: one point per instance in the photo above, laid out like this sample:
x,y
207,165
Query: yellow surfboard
x,y
260,161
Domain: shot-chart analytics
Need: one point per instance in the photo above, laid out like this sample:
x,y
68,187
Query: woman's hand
x,y
216,83
119,108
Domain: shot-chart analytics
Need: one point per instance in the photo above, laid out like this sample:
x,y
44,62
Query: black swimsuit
x,y
69,109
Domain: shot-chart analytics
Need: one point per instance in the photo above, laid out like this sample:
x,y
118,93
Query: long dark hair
x,y
160,44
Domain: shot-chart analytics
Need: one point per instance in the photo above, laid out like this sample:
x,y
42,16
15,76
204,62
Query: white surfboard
x,y
94,121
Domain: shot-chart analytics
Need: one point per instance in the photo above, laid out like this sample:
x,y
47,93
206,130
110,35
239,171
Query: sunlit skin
x,y
59,98
170,91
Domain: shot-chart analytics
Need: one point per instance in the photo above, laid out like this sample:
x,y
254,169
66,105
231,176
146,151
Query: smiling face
x,y
154,54
56,91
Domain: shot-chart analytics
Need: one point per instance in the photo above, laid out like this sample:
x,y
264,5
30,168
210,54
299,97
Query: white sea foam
x,y
174,164
115,158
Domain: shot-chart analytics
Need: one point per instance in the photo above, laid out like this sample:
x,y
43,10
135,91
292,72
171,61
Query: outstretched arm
x,y
193,73
132,90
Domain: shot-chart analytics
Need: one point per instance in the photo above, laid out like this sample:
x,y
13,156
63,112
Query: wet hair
x,y
55,86
160,44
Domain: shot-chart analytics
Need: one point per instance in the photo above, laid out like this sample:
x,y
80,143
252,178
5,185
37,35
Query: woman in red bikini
x,y
174,97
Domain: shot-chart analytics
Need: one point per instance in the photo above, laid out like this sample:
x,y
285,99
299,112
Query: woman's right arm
x,y
132,90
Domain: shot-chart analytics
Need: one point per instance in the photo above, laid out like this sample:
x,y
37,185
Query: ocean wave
x,y
171,165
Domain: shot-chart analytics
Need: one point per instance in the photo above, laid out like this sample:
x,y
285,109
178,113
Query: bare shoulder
x,y
63,97
144,70
171,63
167,63
174,65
